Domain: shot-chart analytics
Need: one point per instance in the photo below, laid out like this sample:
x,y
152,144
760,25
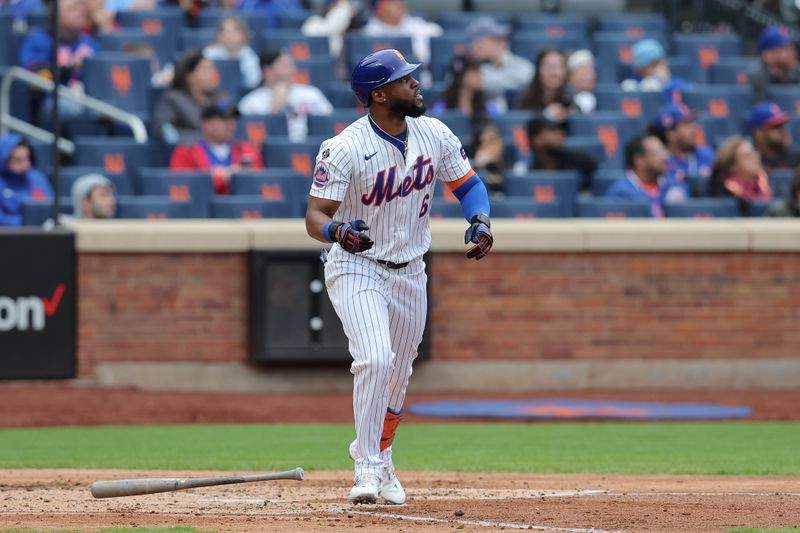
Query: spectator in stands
x,y
646,160
789,206
487,155
20,181
101,19
737,172
176,117
93,198
771,137
280,94
548,141
547,91
501,70
652,73
21,9
582,81
75,46
676,128
233,42
218,151
390,18
337,18
778,65
465,91
160,76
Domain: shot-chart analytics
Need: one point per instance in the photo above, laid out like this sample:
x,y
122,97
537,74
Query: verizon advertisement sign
x,y
37,304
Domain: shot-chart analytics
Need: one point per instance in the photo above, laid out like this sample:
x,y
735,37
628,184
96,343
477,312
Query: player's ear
x,y
378,96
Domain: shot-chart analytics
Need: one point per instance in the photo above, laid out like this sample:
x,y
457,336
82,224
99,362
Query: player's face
x,y
404,97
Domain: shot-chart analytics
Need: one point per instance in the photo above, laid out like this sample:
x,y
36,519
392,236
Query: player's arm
x,y
321,226
474,199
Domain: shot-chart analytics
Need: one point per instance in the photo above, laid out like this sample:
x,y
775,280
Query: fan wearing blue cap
x,y
652,72
771,137
676,128
778,65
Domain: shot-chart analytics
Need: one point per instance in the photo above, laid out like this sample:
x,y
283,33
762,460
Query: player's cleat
x,y
365,489
391,490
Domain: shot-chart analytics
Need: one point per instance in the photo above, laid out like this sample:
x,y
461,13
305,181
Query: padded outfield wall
x,y
558,305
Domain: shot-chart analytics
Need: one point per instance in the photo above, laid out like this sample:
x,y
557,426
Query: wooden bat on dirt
x,y
132,487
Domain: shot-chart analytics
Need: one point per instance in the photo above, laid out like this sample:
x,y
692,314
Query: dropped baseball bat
x,y
132,487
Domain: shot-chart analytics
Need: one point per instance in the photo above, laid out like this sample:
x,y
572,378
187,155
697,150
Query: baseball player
x,y
371,196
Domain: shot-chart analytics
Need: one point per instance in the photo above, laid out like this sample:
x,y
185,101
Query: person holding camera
x,y
218,151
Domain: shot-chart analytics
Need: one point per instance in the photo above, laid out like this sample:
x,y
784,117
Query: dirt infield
x,y
60,499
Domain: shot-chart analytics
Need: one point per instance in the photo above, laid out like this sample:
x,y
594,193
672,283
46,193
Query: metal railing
x,y
9,122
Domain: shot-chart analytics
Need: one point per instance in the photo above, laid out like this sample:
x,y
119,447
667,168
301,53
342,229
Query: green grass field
x,y
736,448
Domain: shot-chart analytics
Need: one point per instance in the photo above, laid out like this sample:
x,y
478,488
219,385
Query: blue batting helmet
x,y
377,69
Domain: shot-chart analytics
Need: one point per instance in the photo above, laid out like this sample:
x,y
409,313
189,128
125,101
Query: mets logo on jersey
x,y
384,189
321,176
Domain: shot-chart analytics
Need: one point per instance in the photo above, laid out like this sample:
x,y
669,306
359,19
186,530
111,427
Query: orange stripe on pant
x,y
390,423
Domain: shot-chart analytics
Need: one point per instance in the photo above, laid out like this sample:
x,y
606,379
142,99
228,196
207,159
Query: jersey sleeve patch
x,y
321,175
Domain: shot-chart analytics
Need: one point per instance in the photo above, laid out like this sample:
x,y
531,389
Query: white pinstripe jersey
x,y
392,194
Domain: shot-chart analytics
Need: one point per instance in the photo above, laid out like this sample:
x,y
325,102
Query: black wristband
x,y
333,227
483,219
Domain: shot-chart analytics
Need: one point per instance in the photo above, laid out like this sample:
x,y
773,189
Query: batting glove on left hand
x,y
479,237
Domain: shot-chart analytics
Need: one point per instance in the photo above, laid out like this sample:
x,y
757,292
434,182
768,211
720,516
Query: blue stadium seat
x,y
341,96
441,208
698,185
590,145
195,38
507,6
293,20
301,47
315,71
38,19
528,43
730,103
459,20
179,186
603,179
164,18
612,50
712,129
443,48
553,25
637,104
779,181
37,213
164,44
458,122
705,50
21,95
514,129
759,207
731,70
113,154
120,80
274,185
42,155
703,208
333,124
258,128
525,208
612,208
209,17
249,207
614,130
633,26
299,156
357,45
123,186
152,207
230,76
787,97
7,55
559,187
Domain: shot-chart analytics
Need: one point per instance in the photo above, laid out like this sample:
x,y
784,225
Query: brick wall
x,y
193,307
612,305
155,307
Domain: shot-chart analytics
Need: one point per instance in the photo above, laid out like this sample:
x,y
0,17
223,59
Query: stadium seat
x,y
443,48
613,129
704,50
759,207
730,103
341,96
209,17
249,207
164,18
459,20
787,97
258,128
612,50
37,213
590,145
7,55
612,208
507,6
22,96
67,176
113,154
731,70
698,185
301,47
529,43
524,208
553,25
164,44
152,207
315,71
299,156
779,181
637,104
179,186
357,45
703,208
230,76
433,10
42,155
514,129
195,38
293,20
458,122
441,208
633,26
559,187
603,179
592,7
333,124
711,129
274,184
120,80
